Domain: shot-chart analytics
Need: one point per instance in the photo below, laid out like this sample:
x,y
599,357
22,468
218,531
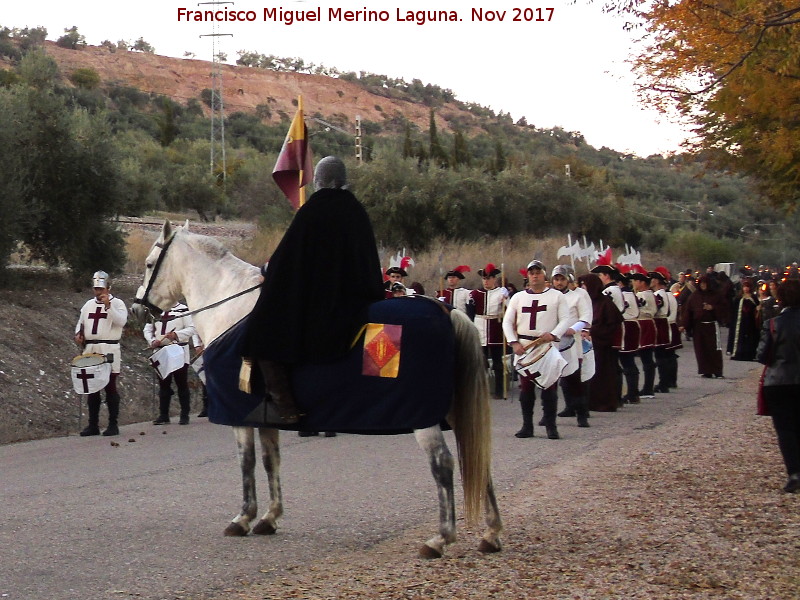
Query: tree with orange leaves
x,y
732,68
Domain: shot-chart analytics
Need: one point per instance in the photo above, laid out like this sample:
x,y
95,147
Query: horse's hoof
x,y
488,548
264,528
235,530
427,552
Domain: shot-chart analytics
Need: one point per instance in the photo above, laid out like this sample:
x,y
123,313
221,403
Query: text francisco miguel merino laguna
x,y
418,17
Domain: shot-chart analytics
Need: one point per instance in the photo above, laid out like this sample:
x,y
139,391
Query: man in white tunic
x,y
174,327
537,315
580,317
99,330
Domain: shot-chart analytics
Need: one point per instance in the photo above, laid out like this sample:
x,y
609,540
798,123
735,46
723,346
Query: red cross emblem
x,y
85,377
95,317
534,308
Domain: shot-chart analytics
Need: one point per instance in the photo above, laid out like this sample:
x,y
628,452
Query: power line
x,y
217,104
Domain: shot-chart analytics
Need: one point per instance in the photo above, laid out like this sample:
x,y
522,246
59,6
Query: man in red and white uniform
x,y
99,330
667,309
647,341
580,317
540,314
454,294
486,308
174,327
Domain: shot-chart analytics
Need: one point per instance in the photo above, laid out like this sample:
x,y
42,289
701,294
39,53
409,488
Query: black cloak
x,y
318,284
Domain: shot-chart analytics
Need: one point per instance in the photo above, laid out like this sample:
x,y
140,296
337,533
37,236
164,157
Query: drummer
x,y
99,330
174,327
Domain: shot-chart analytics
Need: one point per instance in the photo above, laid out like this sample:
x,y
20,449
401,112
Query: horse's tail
x,y
470,415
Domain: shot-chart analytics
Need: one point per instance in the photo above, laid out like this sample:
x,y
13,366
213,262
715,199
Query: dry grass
x,y
509,254
137,246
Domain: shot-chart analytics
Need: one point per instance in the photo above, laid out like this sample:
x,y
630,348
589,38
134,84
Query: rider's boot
x,y
276,379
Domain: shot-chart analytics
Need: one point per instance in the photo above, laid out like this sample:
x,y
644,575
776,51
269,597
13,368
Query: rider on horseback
x,y
293,324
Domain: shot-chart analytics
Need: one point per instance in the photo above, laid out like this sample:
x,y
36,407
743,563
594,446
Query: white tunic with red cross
x,y
172,320
530,315
105,326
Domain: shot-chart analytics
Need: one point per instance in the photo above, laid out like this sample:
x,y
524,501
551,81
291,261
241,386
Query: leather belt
x,y
101,341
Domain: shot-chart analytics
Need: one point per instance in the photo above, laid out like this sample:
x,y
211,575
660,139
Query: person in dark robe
x,y
702,315
743,333
295,323
604,386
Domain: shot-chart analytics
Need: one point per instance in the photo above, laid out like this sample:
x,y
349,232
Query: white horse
x,y
223,289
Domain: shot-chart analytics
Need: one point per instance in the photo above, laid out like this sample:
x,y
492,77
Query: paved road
x,y
83,520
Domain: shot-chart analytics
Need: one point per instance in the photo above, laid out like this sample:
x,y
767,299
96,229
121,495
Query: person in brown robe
x,y
701,317
604,386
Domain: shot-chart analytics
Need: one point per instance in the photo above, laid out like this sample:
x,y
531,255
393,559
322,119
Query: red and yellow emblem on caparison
x,y
382,350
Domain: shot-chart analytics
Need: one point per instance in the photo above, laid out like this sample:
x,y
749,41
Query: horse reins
x,y
153,308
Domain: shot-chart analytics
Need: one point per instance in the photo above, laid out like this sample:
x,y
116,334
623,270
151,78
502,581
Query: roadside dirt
x,y
37,319
692,509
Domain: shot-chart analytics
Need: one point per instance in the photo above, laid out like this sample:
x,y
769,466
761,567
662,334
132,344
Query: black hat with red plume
x,y
458,271
489,271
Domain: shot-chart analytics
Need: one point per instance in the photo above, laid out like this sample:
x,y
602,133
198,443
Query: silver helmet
x,y
100,279
330,173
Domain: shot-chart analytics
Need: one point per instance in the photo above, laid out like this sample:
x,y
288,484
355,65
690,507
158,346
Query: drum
x,y
91,372
199,368
566,342
587,362
168,359
541,363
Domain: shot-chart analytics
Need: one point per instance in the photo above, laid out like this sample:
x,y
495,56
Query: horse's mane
x,y
208,245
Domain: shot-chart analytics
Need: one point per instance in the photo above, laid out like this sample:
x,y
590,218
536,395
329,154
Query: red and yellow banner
x,y
293,169
382,350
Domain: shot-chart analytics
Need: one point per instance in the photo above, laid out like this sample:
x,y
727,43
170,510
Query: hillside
x,y
245,88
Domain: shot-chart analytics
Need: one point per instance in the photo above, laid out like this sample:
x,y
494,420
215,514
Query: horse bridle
x,y
156,267
143,300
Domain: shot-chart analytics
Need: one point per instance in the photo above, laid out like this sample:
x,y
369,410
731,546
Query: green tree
x,y
733,69
461,154
142,46
437,153
66,185
85,78
72,39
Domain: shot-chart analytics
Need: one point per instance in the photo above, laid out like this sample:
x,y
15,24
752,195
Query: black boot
x,y
93,402
582,411
164,396
112,401
185,401
549,407
526,401
673,371
276,379
649,379
632,381
569,404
